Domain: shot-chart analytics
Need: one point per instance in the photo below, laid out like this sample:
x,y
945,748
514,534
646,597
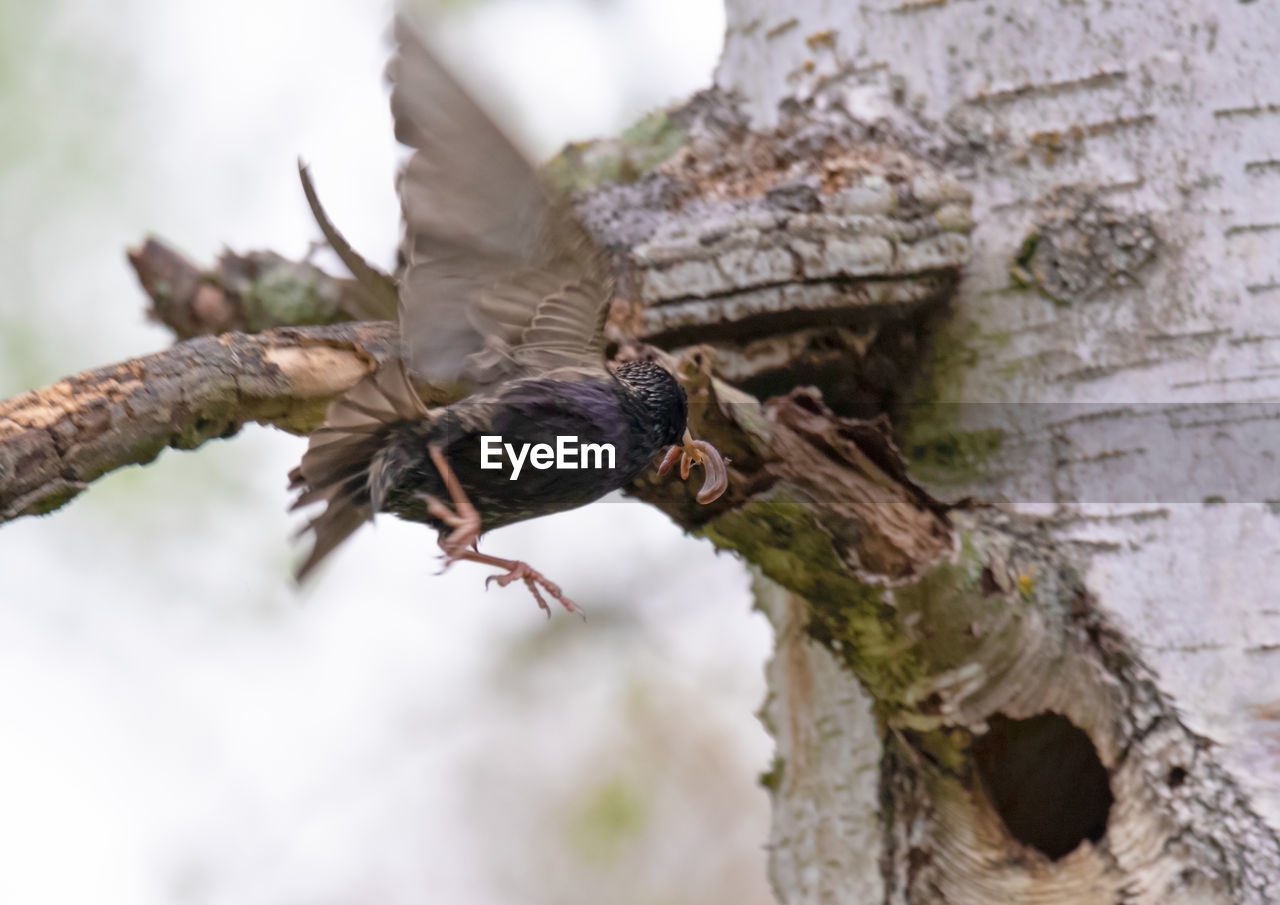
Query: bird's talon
x,y
537,595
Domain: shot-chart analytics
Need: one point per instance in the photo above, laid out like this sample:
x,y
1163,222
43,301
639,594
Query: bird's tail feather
x,y
342,463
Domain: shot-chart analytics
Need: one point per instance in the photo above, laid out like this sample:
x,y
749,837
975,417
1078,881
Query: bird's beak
x,y
698,452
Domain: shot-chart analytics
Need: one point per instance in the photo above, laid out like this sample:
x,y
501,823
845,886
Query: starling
x,y
504,294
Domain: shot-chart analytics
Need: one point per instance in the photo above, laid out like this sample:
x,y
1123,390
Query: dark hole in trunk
x,y
1045,780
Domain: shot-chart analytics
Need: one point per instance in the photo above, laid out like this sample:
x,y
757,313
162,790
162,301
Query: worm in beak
x,y
698,452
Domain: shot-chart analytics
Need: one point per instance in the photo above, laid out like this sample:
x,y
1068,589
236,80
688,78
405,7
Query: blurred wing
x,y
342,465
502,279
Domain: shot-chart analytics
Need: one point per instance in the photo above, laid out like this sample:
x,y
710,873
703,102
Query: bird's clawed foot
x,y
534,580
462,541
699,452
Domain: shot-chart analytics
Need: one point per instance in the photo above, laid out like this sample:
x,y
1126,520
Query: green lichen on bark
x,y
897,640
951,605
1020,268
942,450
955,457
771,779
57,499
850,617
286,293
641,147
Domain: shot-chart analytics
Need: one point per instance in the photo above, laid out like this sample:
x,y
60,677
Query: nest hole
x,y
1045,780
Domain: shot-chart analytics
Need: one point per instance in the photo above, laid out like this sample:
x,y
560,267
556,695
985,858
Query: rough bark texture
x,y
960,695
56,440
1120,160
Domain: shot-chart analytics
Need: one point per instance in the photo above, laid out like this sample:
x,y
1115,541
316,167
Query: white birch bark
x,y
1164,120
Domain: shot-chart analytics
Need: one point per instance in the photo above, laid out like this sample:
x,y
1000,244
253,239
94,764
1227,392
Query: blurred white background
x,y
178,723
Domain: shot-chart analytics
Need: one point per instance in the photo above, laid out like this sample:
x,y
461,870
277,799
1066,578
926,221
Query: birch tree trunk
x,y
1041,238
1125,264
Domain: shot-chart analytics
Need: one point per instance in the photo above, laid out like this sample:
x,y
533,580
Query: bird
x,y
502,295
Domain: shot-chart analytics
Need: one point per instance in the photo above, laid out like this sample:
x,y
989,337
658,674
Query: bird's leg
x,y
462,542
462,517
534,580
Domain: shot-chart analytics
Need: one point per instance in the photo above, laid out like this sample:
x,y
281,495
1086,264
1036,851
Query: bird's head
x,y
660,393
645,373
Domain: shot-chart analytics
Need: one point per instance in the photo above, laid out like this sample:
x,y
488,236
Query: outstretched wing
x,y
502,280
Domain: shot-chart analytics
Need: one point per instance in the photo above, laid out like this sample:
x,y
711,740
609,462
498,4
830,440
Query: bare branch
x,y
56,440
251,292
